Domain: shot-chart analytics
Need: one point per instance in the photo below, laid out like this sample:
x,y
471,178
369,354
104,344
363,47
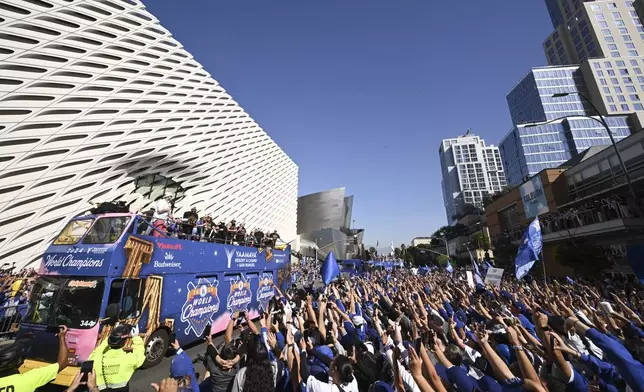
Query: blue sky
x,y
359,93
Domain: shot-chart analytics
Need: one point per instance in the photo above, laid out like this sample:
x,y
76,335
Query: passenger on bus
x,y
162,210
12,357
114,363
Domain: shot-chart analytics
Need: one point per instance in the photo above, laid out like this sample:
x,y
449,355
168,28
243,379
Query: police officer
x,y
12,357
114,363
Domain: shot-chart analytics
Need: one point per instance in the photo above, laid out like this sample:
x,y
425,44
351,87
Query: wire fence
x,y
10,316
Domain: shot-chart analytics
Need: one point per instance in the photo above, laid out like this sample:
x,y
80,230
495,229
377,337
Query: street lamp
x,y
602,120
446,245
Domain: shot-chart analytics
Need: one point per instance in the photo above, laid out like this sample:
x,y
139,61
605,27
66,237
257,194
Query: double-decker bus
x,y
109,265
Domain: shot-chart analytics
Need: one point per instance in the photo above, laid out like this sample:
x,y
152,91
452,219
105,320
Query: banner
x,y
534,197
494,276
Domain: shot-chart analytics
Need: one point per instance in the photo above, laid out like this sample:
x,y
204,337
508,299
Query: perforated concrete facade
x,y
95,94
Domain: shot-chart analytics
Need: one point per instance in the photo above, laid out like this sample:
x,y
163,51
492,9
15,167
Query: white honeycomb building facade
x,y
96,95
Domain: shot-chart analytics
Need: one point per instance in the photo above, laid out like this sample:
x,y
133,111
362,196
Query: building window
x,y
610,72
633,53
610,39
617,15
619,23
599,16
606,90
634,97
629,4
618,90
606,32
614,81
625,107
638,106
630,45
623,30
609,99
627,38
595,7
603,82
600,73
597,65
614,54
613,108
620,63
612,47
633,14
608,64
623,71
640,79
612,5
640,29
634,63
630,89
621,98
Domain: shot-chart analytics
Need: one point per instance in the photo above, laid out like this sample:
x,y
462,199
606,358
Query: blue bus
x,y
108,264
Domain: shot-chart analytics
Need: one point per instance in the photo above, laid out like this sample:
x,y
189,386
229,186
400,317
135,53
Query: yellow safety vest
x,y
115,367
29,381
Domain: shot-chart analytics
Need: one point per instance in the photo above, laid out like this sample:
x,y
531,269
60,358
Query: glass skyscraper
x,y
526,150
531,99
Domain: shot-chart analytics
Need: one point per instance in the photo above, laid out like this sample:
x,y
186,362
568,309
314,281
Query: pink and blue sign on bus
x,y
165,285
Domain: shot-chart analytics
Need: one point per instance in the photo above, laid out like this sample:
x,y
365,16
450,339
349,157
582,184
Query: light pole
x,y
602,120
446,245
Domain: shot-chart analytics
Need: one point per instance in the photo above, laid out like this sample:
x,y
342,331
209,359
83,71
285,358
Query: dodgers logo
x,y
240,295
202,302
265,291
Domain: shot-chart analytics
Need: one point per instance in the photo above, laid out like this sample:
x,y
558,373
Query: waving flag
x,y
528,252
330,269
475,268
486,266
449,267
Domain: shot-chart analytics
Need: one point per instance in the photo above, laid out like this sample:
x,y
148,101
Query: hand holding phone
x,y
86,369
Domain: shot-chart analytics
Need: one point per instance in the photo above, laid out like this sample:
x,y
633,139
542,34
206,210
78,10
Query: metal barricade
x,y
10,316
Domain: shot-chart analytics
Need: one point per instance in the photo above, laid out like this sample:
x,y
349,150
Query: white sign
x,y
470,279
494,276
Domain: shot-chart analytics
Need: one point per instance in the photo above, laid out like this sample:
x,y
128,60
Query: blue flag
x,y
449,267
330,269
528,252
475,267
486,266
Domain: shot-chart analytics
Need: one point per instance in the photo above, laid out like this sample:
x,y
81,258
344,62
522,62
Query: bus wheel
x,y
156,348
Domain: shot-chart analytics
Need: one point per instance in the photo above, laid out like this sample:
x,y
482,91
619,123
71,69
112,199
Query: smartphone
x,y
417,345
173,337
52,329
86,369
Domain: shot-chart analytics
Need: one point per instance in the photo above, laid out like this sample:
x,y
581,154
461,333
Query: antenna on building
x,y
469,130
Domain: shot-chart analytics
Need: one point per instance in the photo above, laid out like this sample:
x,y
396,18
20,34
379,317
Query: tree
x,y
397,253
372,251
481,240
441,260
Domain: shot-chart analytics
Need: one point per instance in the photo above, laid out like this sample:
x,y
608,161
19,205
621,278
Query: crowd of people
x,y
396,331
191,226
15,288
404,331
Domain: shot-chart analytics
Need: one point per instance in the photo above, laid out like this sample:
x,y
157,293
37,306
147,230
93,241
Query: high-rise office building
x,y
527,149
596,51
544,135
471,170
607,39
98,102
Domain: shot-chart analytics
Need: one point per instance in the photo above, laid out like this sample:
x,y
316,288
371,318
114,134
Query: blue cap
x,y
506,294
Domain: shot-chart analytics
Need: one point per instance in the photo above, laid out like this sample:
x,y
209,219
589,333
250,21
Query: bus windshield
x,y
75,303
107,230
73,232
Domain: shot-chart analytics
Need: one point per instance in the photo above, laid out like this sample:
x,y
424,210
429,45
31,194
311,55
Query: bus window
x,y
107,230
143,227
73,232
116,289
132,298
72,302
